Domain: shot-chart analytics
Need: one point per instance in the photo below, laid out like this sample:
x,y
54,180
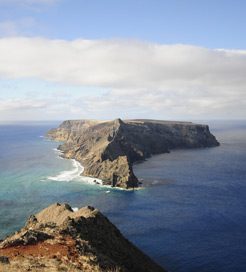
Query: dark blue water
x,y
191,216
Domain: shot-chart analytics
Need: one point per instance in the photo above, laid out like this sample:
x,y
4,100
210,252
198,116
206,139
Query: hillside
x,y
108,149
58,239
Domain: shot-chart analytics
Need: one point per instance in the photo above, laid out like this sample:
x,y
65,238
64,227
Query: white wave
x,y
75,175
116,188
75,209
58,151
90,180
70,174
123,189
44,137
107,192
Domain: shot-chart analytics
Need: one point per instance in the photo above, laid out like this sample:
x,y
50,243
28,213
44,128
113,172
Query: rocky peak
x,y
58,239
118,121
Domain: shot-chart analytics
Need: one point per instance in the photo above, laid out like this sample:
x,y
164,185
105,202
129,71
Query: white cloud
x,y
16,28
23,104
32,109
175,80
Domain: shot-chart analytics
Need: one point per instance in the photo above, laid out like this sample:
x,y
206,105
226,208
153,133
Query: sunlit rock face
x,y
108,149
58,239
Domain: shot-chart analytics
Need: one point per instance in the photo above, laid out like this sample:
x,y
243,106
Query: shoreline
x,y
77,174
109,149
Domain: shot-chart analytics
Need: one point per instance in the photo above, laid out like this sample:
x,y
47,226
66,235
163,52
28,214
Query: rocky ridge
x,y
108,149
58,239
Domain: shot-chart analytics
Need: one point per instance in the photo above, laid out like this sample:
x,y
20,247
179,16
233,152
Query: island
x,y
59,239
108,149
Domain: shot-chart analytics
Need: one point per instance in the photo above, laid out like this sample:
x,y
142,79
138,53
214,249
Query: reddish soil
x,y
63,247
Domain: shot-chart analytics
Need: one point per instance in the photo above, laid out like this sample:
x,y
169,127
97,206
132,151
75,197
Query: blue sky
x,y
208,23
176,59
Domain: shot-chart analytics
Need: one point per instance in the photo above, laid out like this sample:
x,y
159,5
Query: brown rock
x,y
72,241
108,149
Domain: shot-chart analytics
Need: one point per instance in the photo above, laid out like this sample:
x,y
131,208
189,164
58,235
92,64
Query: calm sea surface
x,y
190,216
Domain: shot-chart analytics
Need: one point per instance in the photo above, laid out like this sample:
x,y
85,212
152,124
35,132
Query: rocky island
x,y
59,239
108,149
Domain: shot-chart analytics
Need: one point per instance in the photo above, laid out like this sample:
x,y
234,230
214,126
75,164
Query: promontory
x,y
59,239
108,149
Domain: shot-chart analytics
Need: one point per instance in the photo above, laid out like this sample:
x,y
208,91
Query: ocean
x,y
190,214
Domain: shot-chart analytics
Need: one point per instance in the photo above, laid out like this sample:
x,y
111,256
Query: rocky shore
x,y
58,239
108,149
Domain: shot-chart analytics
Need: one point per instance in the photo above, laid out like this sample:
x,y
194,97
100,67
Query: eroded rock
x,y
72,241
108,149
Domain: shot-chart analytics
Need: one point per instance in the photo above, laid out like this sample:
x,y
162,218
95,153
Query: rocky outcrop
x,y
58,239
108,149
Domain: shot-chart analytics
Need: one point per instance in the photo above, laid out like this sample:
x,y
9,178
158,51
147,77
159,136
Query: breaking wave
x,y
70,174
75,175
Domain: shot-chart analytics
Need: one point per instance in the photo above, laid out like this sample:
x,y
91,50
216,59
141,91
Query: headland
x,y
108,149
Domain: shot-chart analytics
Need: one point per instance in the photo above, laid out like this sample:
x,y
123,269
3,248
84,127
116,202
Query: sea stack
x,y
108,149
58,239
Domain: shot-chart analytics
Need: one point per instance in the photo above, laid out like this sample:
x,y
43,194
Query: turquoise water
x,y
191,215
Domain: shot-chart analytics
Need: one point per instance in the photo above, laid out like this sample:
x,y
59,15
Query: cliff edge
x,y
58,239
108,149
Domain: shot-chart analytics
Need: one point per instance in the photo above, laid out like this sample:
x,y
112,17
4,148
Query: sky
x,y
94,59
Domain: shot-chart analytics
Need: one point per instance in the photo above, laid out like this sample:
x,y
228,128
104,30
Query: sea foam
x,y
70,174
75,174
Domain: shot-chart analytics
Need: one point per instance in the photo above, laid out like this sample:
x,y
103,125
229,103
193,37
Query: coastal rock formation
x,y
58,239
108,149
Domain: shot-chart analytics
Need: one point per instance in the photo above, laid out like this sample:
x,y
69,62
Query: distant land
x,y
59,239
108,149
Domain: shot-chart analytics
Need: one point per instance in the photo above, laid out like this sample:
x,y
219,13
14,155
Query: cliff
x,y
108,149
58,239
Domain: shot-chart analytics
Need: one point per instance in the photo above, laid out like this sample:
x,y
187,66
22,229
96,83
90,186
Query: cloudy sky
x,y
103,59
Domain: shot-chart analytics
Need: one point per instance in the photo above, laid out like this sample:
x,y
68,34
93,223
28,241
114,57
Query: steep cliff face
x,y
108,149
58,239
69,129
